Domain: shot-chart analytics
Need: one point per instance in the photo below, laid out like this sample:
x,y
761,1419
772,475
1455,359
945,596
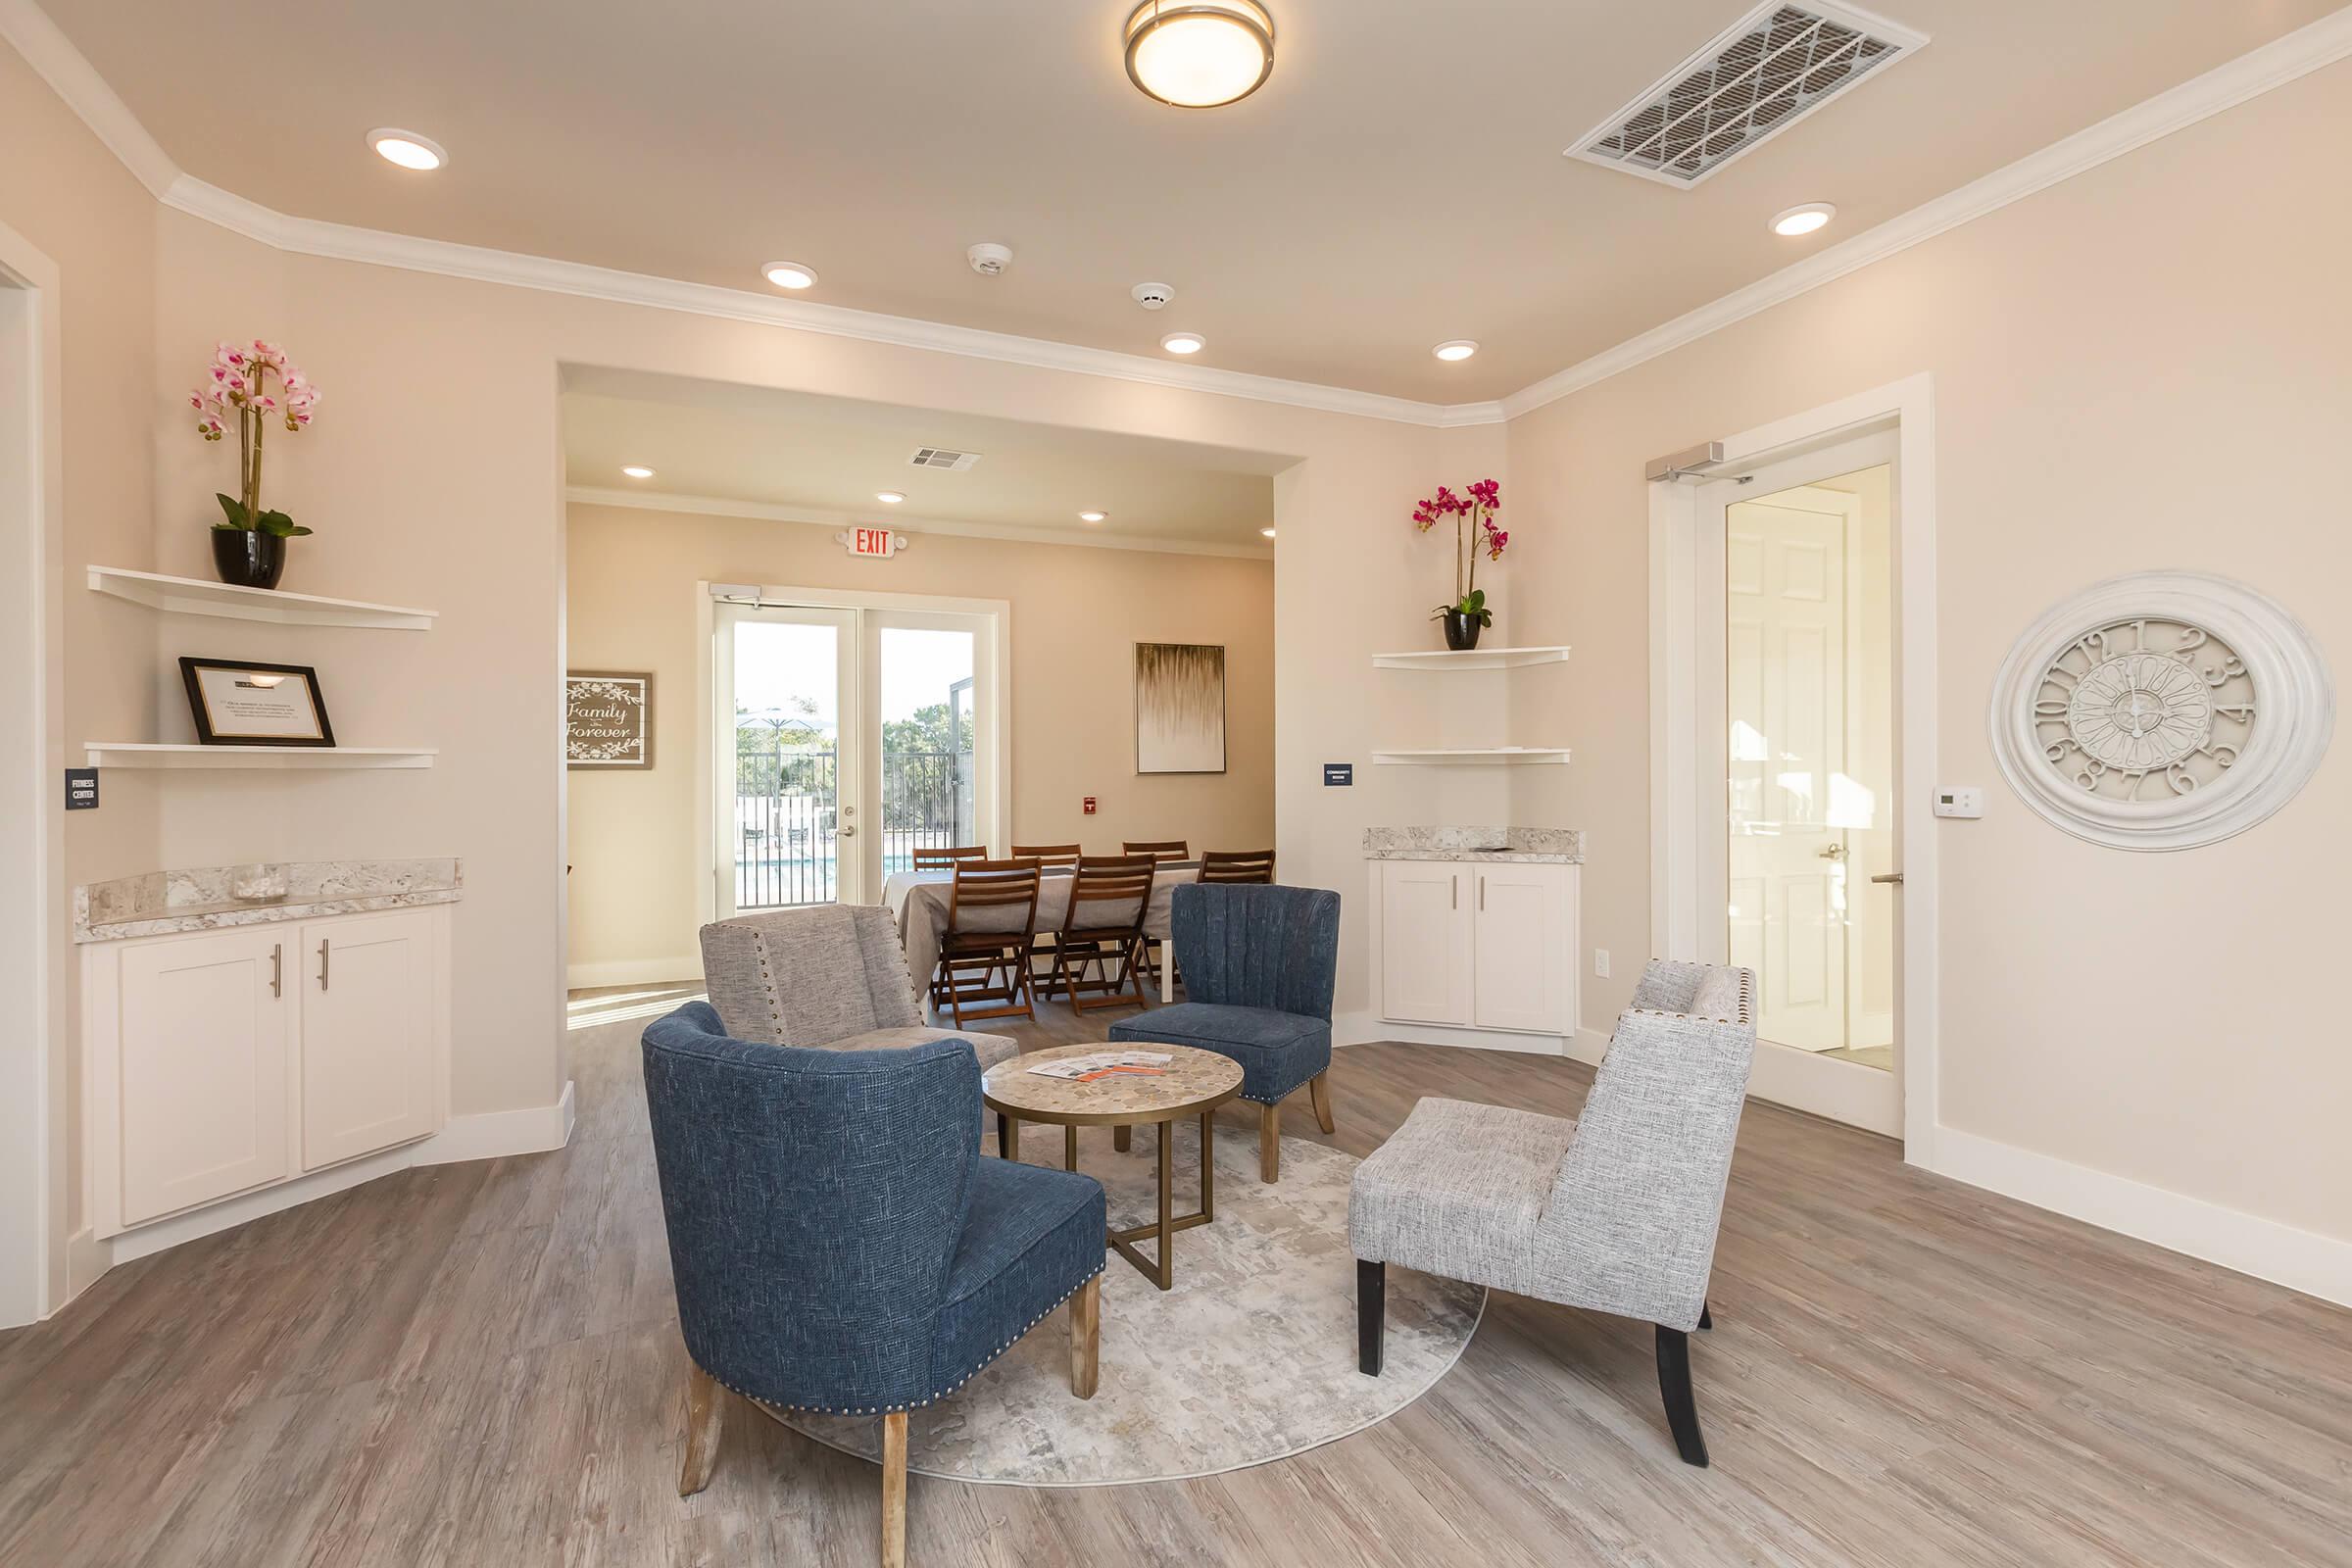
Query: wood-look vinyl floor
x,y
479,1364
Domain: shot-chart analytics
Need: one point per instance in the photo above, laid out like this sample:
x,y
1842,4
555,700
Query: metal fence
x,y
788,818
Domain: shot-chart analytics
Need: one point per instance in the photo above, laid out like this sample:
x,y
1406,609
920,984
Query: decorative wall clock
x,y
2162,711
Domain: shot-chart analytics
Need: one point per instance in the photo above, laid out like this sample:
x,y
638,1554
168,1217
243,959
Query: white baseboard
x,y
1360,1028
2302,1260
492,1134
687,970
87,1257
486,1136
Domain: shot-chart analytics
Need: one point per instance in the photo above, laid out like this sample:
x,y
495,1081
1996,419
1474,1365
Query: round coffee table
x,y
1193,1083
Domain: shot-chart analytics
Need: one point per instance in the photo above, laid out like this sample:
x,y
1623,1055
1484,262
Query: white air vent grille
x,y
943,458
1761,75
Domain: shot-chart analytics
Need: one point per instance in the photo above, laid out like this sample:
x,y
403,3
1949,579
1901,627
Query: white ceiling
x,y
825,458
1398,182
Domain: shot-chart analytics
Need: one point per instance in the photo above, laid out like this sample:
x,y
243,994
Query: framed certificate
x,y
237,703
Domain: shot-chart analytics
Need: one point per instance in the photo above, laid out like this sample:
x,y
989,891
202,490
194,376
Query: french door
x,y
846,736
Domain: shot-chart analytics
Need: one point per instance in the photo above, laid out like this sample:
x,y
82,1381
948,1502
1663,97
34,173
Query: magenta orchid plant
x,y
237,385
1474,535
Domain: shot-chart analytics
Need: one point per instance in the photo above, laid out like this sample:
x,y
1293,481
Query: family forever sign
x,y
609,719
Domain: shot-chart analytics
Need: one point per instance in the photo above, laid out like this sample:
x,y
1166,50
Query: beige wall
x,y
635,579
2148,366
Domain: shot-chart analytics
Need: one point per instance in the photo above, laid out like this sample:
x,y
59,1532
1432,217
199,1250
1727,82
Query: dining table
x,y
918,902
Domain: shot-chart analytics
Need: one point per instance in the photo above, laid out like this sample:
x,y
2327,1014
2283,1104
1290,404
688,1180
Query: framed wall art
x,y
607,718
1179,707
238,702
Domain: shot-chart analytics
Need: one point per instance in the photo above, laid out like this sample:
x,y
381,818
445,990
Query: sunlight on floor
x,y
585,1010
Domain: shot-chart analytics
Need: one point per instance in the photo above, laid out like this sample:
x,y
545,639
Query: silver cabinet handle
x,y
1453,891
1894,878
1482,895
278,969
322,961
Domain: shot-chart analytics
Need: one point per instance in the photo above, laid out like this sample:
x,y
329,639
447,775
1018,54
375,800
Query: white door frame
x,y
1687,853
991,793
36,1179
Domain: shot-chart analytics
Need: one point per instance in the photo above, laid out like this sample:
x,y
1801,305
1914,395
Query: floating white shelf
x,y
192,596
145,753
1480,756
1472,658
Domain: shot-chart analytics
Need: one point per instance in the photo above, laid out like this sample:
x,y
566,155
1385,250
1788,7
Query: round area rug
x,y
1250,1357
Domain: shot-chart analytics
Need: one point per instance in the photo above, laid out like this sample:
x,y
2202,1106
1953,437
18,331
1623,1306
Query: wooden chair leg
x,y
894,1490
1371,1314
1673,1383
1270,1142
704,1413
1085,1338
1319,1089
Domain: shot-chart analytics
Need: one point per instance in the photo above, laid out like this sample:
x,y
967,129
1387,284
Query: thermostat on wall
x,y
1959,801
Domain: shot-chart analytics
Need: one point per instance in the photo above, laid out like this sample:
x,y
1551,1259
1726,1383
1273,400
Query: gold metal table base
x,y
1160,1271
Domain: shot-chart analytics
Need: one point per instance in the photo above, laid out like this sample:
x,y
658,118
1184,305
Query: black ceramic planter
x,y
1462,631
248,558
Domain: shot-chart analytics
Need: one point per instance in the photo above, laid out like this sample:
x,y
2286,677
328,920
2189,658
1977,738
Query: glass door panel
x,y
926,716
785,682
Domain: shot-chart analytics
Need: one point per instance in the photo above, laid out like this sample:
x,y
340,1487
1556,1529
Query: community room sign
x,y
609,719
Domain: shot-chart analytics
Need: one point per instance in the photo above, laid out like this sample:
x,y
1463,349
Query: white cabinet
x,y
1478,943
367,1058
220,1062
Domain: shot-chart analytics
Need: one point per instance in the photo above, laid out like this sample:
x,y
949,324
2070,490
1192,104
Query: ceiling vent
x,y
943,458
1759,77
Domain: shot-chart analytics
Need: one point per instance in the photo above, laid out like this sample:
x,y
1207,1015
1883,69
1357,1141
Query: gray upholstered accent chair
x,y
1616,1211
831,976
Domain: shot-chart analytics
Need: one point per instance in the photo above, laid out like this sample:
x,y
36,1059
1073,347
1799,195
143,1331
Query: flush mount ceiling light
x,y
1461,348
1184,342
889,498
1092,516
637,470
406,149
1267,532
789,274
1200,54
1802,220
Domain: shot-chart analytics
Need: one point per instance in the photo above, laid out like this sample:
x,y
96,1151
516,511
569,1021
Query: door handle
x,y
323,962
278,969
1894,878
1836,851
848,832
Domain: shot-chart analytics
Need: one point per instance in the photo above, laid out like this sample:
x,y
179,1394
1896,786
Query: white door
x,y
1425,942
930,685
207,1029
369,1058
1524,944
784,683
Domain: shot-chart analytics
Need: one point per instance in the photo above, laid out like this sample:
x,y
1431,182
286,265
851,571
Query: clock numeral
x,y
2050,708
2230,669
2243,712
2060,675
2093,771
2056,751
2192,638
2223,756
2183,781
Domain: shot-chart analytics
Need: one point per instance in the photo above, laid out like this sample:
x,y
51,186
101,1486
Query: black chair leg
x,y
1674,1382
1371,1314
1707,1316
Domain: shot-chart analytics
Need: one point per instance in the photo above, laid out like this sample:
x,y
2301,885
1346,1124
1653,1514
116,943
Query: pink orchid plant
x,y
1474,535
238,384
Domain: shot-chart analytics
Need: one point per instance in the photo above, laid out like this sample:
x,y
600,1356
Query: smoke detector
x,y
1152,296
989,260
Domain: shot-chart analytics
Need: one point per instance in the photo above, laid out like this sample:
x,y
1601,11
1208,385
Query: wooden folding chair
x,y
943,859
1103,933
992,918
1166,852
1236,866
1047,855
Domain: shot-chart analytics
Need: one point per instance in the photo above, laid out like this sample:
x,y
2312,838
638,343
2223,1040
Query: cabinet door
x,y
370,1054
1424,942
1526,918
206,1038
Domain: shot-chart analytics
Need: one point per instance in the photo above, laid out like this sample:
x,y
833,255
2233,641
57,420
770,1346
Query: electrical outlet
x,y
1600,962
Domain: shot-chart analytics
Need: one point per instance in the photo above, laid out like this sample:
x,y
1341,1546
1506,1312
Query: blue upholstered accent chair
x,y
839,1244
1258,964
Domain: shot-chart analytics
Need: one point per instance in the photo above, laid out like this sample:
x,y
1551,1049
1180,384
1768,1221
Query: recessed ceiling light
x,y
1092,516
789,274
1184,342
1802,220
406,149
1460,348
889,498
1200,54
637,470
1267,532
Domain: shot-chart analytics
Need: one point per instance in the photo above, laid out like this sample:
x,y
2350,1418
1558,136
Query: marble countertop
x,y
210,897
1546,846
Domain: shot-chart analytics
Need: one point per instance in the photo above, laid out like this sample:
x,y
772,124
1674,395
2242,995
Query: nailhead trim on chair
x,y
931,1398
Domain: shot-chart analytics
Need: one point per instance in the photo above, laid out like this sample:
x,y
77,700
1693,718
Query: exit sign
x,y
879,543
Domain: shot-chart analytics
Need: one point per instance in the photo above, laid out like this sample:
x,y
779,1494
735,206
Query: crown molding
x,y
2274,65
2282,61
817,516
